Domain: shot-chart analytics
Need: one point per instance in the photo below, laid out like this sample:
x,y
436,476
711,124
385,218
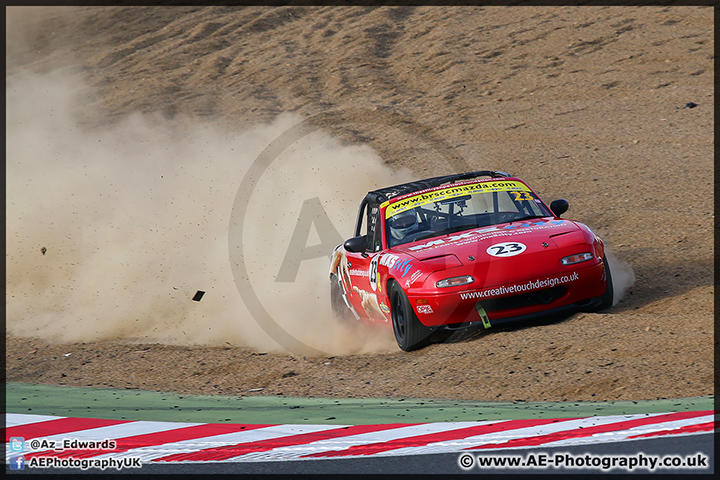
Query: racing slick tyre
x,y
607,298
340,311
410,334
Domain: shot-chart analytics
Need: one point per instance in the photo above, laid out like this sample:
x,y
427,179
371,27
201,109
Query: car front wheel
x,y
410,334
607,298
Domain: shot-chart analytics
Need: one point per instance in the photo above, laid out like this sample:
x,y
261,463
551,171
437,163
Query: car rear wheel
x,y
340,311
410,334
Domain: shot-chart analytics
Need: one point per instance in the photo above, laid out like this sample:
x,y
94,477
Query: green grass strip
x,y
129,404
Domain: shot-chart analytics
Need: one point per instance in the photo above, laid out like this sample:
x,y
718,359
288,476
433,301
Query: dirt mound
x,y
608,107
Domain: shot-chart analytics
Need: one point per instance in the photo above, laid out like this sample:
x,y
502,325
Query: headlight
x,y
455,281
577,258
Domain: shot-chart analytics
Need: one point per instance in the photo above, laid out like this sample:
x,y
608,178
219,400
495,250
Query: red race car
x,y
445,252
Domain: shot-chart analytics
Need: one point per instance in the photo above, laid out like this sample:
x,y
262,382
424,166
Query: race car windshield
x,y
445,211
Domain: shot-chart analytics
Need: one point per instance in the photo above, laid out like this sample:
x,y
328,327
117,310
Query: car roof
x,y
384,194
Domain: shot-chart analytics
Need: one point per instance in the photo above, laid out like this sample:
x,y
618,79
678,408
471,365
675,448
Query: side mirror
x,y
559,206
356,244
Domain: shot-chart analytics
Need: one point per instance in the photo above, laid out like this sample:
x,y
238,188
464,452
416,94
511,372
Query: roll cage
x,y
374,199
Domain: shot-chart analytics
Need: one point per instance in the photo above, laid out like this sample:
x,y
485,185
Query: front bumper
x,y
571,290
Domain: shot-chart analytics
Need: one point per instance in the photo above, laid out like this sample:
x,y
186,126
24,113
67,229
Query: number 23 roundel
x,y
506,249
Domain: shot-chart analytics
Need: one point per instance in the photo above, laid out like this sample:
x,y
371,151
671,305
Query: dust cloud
x,y
623,276
111,231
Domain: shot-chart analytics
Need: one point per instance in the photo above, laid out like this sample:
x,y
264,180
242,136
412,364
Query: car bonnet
x,y
484,242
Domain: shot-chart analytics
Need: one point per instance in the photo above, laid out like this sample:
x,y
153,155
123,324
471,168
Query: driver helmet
x,y
402,224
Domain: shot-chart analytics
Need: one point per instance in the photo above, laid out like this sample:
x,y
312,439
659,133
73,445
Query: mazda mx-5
x,y
451,251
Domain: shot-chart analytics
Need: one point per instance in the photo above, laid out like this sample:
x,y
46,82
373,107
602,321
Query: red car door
x,y
361,281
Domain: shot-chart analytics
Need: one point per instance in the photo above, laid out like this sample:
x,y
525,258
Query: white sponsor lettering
x,y
488,232
425,309
521,287
389,260
416,274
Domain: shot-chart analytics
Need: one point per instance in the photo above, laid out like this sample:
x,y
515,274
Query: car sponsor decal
x,y
522,287
394,264
488,232
424,309
451,192
384,308
358,273
506,249
403,267
416,274
388,260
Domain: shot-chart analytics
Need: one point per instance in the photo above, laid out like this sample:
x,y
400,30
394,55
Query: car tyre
x,y
410,334
340,311
607,298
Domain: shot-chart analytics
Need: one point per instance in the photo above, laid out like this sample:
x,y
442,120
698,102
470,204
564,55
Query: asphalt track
x,y
135,405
